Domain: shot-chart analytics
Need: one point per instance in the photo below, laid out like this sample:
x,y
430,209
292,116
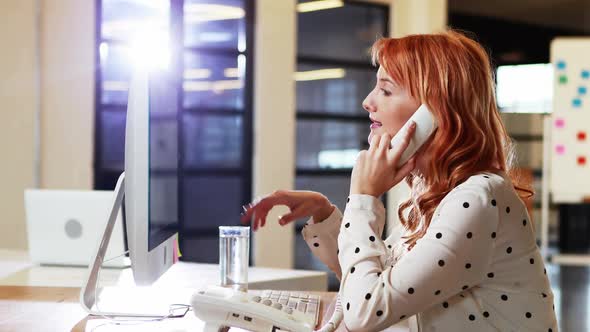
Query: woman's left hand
x,y
375,170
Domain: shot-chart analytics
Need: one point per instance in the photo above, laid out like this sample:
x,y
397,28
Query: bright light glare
x,y
103,50
319,5
151,51
241,65
525,88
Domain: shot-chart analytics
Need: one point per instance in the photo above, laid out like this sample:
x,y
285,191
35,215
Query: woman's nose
x,y
367,106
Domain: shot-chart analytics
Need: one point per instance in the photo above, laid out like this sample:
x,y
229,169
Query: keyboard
x,y
301,307
307,304
257,310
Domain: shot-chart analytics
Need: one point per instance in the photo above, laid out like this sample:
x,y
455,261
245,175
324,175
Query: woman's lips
x,y
375,125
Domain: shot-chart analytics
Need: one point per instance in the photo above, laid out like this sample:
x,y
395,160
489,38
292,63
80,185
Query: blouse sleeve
x,y
453,256
322,239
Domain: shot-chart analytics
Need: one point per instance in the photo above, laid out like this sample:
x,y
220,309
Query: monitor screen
x,y
525,88
163,157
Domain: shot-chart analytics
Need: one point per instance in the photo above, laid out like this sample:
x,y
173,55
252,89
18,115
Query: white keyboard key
x,y
287,301
292,304
301,306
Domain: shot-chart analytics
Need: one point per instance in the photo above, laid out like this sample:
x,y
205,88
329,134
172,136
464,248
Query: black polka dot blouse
x,y
478,267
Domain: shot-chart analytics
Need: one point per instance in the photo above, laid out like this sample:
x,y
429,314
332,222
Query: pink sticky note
x,y
560,149
559,123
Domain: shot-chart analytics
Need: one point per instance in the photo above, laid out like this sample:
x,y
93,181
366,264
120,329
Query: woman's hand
x,y
301,203
375,170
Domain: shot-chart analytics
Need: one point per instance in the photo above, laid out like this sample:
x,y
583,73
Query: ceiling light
x,y
196,74
196,13
318,5
231,72
320,74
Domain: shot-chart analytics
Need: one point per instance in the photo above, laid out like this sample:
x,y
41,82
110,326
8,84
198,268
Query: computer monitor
x,y
149,185
151,174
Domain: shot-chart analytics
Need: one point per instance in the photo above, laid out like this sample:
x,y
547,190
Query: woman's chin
x,y
371,134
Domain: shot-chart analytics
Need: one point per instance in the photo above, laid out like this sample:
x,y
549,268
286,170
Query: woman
x,y
466,259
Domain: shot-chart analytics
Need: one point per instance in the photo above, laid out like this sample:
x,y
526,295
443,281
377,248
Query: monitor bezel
x,y
147,265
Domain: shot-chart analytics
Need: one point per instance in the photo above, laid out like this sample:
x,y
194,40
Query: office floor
x,y
571,287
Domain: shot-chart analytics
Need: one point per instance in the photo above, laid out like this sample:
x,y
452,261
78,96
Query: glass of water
x,y
234,253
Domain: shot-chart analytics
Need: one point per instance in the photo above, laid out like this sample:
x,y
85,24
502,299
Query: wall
x,y
67,98
274,124
65,46
418,16
18,95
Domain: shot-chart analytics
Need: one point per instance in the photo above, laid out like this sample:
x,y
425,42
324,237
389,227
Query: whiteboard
x,y
570,120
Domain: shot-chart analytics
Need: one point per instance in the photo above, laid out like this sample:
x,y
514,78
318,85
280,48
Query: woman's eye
x,y
385,92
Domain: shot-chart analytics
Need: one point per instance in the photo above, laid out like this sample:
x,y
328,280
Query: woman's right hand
x,y
301,203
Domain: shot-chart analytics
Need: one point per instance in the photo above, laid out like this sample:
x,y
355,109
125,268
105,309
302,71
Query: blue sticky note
x,y
585,74
560,65
577,102
582,90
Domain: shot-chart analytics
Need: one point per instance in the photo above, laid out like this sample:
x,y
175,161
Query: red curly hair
x,y
452,75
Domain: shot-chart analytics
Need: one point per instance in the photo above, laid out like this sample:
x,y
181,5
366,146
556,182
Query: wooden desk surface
x,y
17,270
25,308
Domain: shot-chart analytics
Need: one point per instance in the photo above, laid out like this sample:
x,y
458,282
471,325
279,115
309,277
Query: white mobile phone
x,y
425,126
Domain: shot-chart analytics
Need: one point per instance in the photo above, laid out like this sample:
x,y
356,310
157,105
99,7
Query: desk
x,y
37,299
26,308
40,309
17,270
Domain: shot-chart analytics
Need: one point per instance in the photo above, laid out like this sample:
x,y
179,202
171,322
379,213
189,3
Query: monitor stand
x,y
90,289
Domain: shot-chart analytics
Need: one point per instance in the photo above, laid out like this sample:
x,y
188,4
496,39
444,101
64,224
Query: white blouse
x,y
478,267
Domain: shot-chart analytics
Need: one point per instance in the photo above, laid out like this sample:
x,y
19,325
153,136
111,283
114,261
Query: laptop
x,y
64,227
